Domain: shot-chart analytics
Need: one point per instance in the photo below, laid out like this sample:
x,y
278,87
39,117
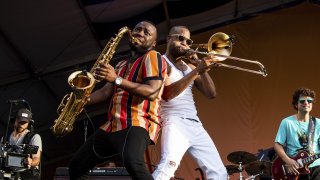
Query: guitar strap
x,y
311,135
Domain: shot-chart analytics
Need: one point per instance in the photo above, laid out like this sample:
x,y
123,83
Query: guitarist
x,y
293,136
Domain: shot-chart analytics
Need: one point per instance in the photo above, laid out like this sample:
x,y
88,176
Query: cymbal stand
x,y
240,169
253,176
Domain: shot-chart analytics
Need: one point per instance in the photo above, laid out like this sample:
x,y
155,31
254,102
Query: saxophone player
x,y
134,86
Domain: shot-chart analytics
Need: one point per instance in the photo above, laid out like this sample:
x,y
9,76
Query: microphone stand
x,y
7,128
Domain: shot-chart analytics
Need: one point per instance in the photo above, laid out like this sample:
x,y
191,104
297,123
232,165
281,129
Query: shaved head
x,y
178,29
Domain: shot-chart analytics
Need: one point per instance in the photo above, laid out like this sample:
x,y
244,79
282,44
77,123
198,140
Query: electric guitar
x,y
280,170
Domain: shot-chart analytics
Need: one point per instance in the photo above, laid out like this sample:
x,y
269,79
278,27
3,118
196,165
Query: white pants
x,y
182,135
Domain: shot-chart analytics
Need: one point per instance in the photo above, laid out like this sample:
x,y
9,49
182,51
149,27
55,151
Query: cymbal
x,y
257,167
231,169
242,157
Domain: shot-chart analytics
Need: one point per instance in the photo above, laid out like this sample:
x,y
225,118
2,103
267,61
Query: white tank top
x,y
183,105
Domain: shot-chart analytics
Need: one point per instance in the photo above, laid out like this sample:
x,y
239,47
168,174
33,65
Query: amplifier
x,y
97,173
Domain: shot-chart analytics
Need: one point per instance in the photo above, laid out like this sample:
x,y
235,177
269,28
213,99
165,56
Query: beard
x,y
139,48
177,51
19,129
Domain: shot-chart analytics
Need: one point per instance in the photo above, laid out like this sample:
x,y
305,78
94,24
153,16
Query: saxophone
x,y
82,83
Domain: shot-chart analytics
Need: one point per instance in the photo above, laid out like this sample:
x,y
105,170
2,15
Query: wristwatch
x,y
118,81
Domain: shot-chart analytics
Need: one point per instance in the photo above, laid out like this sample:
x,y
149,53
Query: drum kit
x,y
255,168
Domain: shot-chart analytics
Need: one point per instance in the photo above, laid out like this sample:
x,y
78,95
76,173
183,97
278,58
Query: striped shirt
x,y
129,110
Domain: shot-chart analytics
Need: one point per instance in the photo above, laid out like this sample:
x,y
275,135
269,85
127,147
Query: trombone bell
x,y
220,45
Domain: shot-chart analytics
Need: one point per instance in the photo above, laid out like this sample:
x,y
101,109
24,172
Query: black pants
x,y
129,143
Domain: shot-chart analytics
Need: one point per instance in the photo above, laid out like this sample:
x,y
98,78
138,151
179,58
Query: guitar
x,y
280,170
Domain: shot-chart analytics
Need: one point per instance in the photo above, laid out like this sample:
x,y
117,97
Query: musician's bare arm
x,y
292,164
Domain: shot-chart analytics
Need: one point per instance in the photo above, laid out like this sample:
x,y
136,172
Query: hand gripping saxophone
x,y
83,83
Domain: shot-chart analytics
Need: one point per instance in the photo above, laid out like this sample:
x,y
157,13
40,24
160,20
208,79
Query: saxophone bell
x,y
81,80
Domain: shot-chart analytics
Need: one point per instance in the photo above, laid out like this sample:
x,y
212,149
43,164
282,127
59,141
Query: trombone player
x,y
182,130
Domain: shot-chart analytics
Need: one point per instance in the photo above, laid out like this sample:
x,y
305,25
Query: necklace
x,y
302,134
302,129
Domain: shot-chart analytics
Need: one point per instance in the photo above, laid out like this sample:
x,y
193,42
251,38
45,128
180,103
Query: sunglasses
x,y
309,100
181,38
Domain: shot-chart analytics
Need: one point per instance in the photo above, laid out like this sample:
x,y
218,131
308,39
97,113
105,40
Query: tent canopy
x,y
43,42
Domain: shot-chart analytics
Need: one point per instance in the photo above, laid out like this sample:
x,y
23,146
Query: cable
x,y
93,148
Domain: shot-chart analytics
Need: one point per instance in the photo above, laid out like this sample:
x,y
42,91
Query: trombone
x,y
220,45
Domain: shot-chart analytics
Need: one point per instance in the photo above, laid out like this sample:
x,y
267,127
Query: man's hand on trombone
x,y
204,64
